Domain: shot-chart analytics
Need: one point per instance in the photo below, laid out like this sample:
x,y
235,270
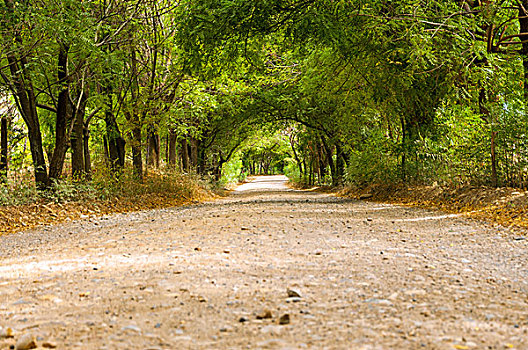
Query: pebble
x,y
264,314
49,345
293,300
6,332
226,329
292,293
284,319
131,328
26,342
243,319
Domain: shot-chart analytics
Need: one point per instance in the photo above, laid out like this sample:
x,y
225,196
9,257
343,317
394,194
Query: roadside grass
x,y
22,207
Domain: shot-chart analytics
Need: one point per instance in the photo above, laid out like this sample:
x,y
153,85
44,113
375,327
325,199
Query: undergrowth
x,y
103,186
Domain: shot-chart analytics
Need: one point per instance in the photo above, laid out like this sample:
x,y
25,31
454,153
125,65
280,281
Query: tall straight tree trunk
x,y
321,162
3,149
137,158
194,153
153,158
173,142
116,143
86,144
166,149
404,150
77,139
63,116
487,116
86,148
494,176
340,164
184,154
202,159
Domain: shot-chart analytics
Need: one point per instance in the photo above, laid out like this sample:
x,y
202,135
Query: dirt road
x,y
349,275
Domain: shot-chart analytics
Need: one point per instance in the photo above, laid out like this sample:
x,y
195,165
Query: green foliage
x,y
375,164
69,190
390,91
24,192
232,172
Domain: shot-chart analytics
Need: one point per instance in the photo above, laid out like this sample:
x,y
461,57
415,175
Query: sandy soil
x,y
349,274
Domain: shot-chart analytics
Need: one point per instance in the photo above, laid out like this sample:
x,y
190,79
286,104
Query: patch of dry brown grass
x,y
158,190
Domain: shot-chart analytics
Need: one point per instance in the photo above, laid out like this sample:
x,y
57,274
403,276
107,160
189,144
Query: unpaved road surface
x,y
369,276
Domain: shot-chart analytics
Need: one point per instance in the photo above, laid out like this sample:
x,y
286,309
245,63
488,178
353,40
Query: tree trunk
x,y
77,140
194,144
116,143
329,158
86,147
494,177
404,149
105,149
184,154
23,92
217,172
137,158
310,179
167,149
3,150
488,117
173,141
201,159
63,116
153,158
340,164
296,156
27,105
321,162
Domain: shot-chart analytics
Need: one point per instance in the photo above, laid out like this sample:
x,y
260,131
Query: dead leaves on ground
x,y
18,218
505,206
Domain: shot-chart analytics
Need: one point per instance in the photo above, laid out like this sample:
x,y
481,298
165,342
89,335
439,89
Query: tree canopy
x,y
328,91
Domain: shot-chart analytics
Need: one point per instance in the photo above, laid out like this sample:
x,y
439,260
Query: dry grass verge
x,y
157,191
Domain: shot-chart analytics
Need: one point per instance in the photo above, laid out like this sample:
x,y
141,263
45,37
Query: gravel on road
x,y
267,267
